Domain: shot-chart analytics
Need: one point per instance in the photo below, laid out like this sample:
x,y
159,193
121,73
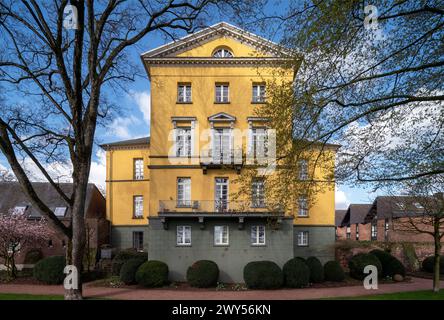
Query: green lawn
x,y
413,295
19,296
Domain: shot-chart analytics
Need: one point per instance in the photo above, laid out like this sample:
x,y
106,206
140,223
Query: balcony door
x,y
221,194
221,145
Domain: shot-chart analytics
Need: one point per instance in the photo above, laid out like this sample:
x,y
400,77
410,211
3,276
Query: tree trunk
x,y
78,239
437,269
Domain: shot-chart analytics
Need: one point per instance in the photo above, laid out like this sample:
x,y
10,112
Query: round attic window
x,y
222,53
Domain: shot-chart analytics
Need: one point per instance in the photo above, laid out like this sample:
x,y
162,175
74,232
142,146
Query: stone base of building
x,y
122,236
321,240
231,259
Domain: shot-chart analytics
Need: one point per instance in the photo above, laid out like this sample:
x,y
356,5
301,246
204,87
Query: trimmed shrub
x,y
152,274
390,265
123,256
358,262
296,273
33,256
93,275
333,271
263,275
316,269
428,264
203,274
129,269
50,270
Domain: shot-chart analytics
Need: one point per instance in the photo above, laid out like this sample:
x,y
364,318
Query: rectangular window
x,y
222,152
183,192
221,235
19,210
138,169
303,169
374,231
302,207
258,92
386,228
348,233
258,193
258,235
138,207
221,194
259,143
184,92
303,239
60,211
138,240
222,93
183,142
183,234
357,231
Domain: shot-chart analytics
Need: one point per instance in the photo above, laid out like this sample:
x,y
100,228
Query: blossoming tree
x,y
17,232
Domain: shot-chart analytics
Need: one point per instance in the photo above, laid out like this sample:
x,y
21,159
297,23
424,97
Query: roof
x,y
396,207
171,49
11,196
356,213
339,217
127,143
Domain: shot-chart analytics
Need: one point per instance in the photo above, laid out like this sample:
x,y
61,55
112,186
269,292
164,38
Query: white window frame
x,y
258,193
374,231
223,53
184,92
303,207
303,169
259,140
258,92
224,95
138,168
19,210
182,241
134,240
219,232
303,239
60,211
138,206
183,141
221,204
255,235
183,192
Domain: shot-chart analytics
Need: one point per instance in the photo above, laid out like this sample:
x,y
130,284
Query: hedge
x,y
50,270
129,269
296,273
203,274
316,269
263,275
390,265
358,262
33,256
123,256
152,274
333,271
428,264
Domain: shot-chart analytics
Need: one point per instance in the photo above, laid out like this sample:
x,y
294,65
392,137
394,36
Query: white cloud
x,y
121,126
341,200
143,101
97,174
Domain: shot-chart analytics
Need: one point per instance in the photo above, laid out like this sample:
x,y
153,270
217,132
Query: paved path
x,y
166,294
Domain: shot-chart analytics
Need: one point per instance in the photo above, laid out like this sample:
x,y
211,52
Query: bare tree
x,y
55,79
422,212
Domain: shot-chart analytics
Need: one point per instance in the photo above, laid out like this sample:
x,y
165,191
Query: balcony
x,y
226,158
207,209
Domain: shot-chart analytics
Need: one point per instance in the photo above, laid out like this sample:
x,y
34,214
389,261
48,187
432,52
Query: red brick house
x,y
12,198
353,225
340,230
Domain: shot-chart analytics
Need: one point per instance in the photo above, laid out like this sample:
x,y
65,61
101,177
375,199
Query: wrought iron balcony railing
x,y
224,156
209,206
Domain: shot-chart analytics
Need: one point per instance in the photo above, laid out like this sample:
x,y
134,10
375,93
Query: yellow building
x,y
170,193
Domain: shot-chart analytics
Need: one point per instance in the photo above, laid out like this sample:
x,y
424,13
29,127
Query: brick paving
x,y
167,294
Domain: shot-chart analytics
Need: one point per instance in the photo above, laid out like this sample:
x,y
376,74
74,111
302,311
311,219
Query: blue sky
x,y
133,121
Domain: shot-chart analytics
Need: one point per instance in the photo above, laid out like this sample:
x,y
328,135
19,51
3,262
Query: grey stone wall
x,y
321,240
122,236
230,259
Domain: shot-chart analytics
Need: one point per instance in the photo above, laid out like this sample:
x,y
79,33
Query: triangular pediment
x,y
194,45
221,117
